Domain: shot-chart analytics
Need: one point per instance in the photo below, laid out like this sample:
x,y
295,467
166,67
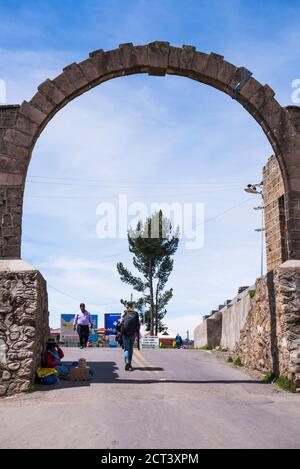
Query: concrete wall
x,y
209,332
234,319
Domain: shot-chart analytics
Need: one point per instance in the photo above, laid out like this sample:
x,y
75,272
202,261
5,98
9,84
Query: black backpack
x,y
130,323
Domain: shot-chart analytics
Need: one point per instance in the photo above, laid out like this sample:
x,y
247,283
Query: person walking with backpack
x,y
130,327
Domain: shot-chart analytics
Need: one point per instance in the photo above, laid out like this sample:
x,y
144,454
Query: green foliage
x,y
205,347
220,349
281,381
238,362
252,293
269,378
152,245
31,389
285,384
229,360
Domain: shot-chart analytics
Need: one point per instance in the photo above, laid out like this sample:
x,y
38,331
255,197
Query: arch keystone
x,y
158,56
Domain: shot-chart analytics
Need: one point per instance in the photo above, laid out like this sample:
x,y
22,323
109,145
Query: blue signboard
x,y
110,322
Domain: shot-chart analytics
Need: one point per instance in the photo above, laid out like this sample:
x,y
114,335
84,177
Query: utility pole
x,y
252,189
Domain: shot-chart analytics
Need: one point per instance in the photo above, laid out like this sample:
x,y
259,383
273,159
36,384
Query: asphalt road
x,y
173,399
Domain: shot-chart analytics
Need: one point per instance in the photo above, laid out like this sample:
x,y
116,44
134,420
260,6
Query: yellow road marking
x,y
142,361
141,364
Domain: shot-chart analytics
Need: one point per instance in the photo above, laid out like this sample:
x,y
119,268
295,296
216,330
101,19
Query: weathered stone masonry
x,y
11,188
263,326
274,212
21,125
23,325
270,338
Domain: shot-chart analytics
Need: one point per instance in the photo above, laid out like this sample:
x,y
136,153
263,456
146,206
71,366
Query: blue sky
x,y
161,139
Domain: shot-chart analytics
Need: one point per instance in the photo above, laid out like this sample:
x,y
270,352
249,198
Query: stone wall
x,y
253,344
274,212
287,294
11,187
21,125
23,325
263,326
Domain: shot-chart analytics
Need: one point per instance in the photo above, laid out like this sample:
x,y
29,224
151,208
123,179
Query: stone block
x,y
75,76
181,58
26,125
18,138
51,92
42,103
158,57
89,70
32,113
64,84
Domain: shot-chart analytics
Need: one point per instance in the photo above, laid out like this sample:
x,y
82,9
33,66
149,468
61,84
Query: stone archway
x,y
21,125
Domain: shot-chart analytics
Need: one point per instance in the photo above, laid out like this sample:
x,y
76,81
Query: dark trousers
x,y
83,332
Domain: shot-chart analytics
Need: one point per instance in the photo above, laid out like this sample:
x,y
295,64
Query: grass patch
x,y
281,381
285,384
220,349
205,347
269,378
238,362
229,360
31,389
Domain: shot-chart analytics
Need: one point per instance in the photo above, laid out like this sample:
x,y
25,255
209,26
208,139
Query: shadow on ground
x,y
108,372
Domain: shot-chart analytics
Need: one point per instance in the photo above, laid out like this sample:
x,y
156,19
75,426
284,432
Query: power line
x,y
120,253
76,299
205,221
127,182
136,196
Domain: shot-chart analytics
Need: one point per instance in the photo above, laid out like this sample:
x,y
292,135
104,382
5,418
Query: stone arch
x,y
20,126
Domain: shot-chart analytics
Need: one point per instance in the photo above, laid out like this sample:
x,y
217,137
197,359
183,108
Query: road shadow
x,y
109,373
147,368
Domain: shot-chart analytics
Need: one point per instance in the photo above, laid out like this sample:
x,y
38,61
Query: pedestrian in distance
x,y
130,327
179,341
82,321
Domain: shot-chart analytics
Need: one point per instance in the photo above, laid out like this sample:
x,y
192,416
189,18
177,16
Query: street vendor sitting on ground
x,y
53,357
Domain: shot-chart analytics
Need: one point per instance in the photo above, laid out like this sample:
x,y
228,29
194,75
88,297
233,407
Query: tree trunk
x,y
151,298
156,311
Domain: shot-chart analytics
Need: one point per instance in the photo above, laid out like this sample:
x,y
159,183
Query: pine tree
x,y
152,244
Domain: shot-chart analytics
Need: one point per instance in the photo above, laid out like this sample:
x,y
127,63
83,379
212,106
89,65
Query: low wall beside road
x,y
209,332
262,324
